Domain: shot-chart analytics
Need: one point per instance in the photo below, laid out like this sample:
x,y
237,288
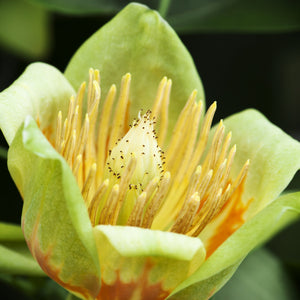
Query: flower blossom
x,y
148,204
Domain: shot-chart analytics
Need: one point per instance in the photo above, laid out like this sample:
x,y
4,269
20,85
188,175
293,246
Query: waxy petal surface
x,y
140,42
145,263
54,218
214,273
274,157
41,91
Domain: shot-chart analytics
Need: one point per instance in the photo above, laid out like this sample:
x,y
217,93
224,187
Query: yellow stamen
x,y
164,114
58,130
103,131
118,129
95,203
109,210
89,183
124,175
156,201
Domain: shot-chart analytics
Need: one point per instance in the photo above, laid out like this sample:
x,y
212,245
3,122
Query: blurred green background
x,y
247,54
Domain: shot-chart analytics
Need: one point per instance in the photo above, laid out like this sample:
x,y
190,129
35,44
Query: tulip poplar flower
x,y
126,196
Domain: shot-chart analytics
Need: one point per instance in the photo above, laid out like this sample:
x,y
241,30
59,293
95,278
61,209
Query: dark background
x,y
239,71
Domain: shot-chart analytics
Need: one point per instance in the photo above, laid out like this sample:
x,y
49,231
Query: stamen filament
x,y
164,113
95,203
135,217
109,207
79,101
58,130
89,183
156,108
118,130
124,175
156,201
103,131
178,131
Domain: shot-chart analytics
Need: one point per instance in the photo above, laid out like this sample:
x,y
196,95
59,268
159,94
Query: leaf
x,y
3,153
260,276
138,41
234,16
41,91
36,288
10,232
24,28
202,15
82,7
15,258
55,222
219,267
286,246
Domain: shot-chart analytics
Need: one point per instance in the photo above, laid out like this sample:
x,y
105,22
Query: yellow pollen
x,y
124,175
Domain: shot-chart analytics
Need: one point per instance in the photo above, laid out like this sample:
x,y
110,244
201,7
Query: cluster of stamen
x,y
124,176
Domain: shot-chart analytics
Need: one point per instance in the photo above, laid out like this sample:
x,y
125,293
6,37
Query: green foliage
x,y
3,152
35,288
15,258
24,28
200,15
260,276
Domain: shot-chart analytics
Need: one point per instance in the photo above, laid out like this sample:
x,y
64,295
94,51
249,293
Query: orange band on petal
x,y
140,289
234,220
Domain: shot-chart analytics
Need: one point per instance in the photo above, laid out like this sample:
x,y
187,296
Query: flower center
x,y
139,144
124,176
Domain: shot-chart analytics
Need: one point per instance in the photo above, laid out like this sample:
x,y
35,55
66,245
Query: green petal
x,y
145,260
274,156
138,41
54,218
15,258
40,91
223,262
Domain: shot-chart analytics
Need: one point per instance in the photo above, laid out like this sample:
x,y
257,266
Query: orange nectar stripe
x,y
87,289
47,131
232,222
124,291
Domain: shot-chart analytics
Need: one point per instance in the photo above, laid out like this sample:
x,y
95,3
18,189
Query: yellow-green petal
x,y
55,222
40,91
223,262
274,157
145,263
138,41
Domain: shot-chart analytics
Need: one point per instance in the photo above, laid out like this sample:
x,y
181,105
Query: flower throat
x,y
124,175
